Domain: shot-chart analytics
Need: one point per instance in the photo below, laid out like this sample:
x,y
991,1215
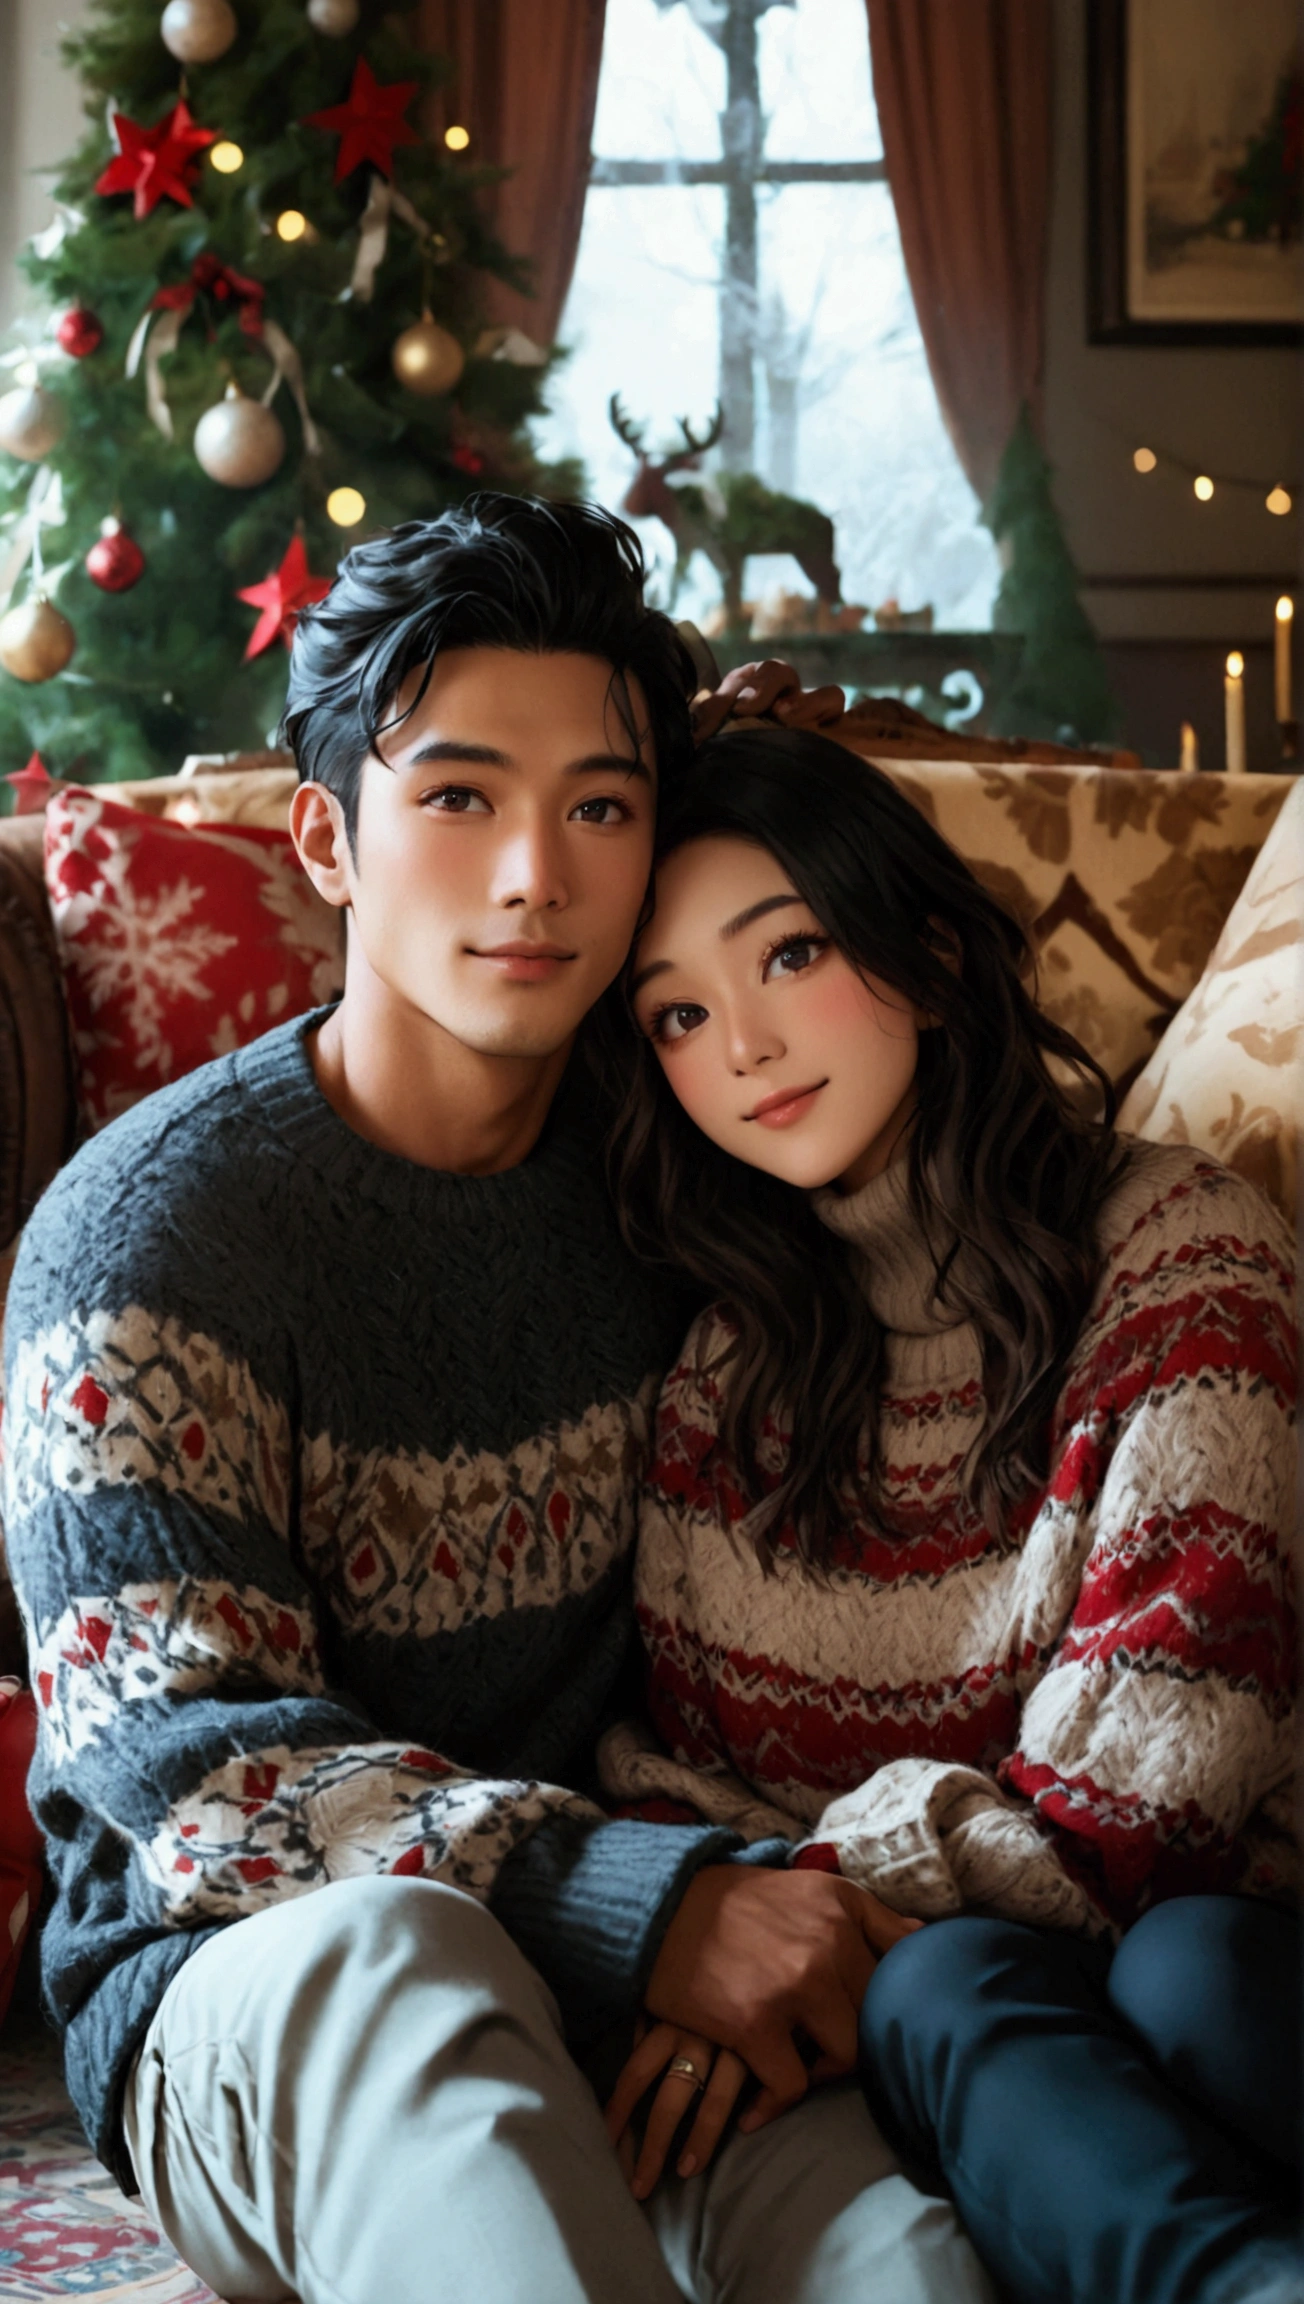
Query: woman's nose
x,y
752,1040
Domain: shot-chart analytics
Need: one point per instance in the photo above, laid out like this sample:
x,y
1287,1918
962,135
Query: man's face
x,y
504,842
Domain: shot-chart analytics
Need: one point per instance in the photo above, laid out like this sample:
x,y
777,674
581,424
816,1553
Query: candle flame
x,y
1285,609
1235,664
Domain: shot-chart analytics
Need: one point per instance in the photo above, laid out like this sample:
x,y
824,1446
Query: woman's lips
x,y
786,1105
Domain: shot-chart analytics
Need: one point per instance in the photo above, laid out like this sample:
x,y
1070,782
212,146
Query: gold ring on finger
x,y
685,2069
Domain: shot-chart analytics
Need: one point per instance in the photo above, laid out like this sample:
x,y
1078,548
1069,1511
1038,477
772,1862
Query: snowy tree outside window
x,y
820,368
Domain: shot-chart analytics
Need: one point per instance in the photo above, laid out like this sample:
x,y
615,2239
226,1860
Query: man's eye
x,y
675,1023
794,954
604,811
455,800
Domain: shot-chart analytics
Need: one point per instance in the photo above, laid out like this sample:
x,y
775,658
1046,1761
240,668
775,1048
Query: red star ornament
x,y
280,596
152,162
370,123
31,787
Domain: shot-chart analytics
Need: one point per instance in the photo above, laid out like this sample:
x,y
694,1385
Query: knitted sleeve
x,y
1158,1723
185,1713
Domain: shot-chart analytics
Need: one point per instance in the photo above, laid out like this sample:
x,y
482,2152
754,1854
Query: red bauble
x,y
80,332
116,562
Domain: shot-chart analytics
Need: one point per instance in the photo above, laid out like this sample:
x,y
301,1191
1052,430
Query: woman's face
x,y
773,1044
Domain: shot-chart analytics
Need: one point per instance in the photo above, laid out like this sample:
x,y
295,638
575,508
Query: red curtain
x,y
525,84
963,89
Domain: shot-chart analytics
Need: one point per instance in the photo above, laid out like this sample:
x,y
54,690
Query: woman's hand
x,y
717,2077
751,689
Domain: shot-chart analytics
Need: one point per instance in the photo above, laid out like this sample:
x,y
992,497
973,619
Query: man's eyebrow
x,y
732,927
461,751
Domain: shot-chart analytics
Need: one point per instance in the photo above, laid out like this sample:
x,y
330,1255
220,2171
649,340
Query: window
x,y
740,247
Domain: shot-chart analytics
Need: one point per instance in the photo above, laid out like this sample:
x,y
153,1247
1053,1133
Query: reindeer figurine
x,y
732,516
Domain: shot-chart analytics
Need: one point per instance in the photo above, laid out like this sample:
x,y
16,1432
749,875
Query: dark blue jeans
x,y
1113,2131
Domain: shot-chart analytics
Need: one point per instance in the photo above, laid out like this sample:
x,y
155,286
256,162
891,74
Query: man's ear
x,y
319,833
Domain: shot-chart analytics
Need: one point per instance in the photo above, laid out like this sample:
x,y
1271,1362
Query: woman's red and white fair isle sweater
x,y
1060,1724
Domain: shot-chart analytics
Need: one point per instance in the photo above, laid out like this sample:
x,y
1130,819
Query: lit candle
x,y
1234,694
1285,624
1190,760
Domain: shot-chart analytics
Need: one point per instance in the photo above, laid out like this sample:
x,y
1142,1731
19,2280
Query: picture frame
x,y
1193,190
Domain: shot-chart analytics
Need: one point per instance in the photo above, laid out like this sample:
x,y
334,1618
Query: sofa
x,y
1167,915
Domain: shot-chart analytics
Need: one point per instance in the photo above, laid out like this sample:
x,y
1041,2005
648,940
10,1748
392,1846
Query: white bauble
x,y
238,441
35,640
198,31
31,421
336,18
426,359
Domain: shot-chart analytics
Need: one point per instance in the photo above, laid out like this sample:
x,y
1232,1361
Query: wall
x,y
1209,575
40,121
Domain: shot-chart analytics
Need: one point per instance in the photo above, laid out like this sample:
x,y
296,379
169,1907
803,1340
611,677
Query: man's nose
x,y
529,871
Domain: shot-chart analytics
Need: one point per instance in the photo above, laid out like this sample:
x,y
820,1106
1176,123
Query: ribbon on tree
x,y
158,332
383,201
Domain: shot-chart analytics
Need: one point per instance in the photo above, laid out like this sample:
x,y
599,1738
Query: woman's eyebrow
x,y
732,927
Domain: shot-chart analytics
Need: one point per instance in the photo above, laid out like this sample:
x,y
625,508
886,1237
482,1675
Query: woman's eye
x,y
604,811
790,958
675,1023
456,800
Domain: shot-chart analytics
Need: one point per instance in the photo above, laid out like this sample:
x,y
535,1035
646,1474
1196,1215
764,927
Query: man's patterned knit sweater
x,y
1060,1723
320,1484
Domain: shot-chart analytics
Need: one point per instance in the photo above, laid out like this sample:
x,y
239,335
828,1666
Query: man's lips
x,y
524,962
784,1105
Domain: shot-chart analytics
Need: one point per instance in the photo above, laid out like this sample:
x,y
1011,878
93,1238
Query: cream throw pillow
x,y
1228,1075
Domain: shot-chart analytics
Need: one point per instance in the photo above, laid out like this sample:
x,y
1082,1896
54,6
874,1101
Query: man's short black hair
x,y
499,572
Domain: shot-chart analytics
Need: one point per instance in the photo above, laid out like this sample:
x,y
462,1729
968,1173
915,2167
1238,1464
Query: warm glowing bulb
x,y
345,507
1277,500
457,139
291,225
226,158
1235,664
1285,609
1203,487
1145,459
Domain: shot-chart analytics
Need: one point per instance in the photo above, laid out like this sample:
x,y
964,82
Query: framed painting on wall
x,y
1194,206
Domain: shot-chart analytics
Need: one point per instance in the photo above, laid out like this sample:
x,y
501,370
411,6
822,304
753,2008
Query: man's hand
x,y
751,689
767,1963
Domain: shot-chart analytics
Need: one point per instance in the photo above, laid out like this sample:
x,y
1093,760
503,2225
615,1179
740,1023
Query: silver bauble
x,y
35,640
427,359
335,18
238,441
198,31
31,421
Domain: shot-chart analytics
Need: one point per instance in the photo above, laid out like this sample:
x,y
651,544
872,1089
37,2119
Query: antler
x,y
631,434
714,432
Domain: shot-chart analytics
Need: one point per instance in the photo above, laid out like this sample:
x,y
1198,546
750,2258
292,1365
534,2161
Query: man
x,y
328,1384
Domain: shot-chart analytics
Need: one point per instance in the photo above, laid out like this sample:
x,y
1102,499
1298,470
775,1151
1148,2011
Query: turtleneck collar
x,y
897,1264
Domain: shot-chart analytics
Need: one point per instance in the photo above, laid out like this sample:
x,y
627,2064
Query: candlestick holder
x,y
1288,731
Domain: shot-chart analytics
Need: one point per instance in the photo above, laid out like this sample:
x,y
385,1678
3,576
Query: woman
x,y
964,1547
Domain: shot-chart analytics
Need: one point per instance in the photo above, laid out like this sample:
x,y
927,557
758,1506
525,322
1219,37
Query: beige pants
x,y
363,2097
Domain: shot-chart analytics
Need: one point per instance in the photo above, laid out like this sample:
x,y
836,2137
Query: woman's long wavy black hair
x,y
1005,1159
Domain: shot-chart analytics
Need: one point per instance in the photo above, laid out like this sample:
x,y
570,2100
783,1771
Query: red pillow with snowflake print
x,y
178,942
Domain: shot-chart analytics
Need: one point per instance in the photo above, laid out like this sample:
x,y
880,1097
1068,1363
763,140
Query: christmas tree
x,y
253,211
1061,690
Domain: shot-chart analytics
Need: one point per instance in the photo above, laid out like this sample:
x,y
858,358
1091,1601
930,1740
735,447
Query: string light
x,y
1277,500
1145,459
226,157
345,506
291,224
1203,487
457,139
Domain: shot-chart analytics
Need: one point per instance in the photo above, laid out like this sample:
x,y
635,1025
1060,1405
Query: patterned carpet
x,y
65,2229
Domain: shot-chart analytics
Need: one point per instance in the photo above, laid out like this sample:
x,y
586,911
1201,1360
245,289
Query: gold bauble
x,y
198,31
335,18
238,441
35,640
427,359
31,421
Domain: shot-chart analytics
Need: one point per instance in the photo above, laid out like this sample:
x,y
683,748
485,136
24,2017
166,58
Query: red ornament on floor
x,y
280,596
116,562
369,123
80,332
152,162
